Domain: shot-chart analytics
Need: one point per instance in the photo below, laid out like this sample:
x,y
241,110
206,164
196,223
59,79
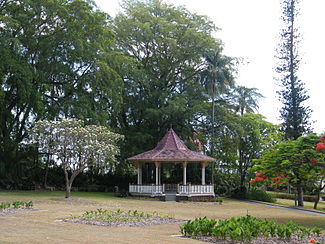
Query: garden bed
x,y
10,211
120,218
249,229
264,240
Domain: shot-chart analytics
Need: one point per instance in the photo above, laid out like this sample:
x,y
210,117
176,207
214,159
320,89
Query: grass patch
x,y
308,205
40,195
43,226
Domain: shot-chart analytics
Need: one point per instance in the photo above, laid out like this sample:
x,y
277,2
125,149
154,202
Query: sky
x,y
250,30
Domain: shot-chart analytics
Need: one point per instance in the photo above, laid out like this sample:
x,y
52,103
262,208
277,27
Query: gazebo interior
x,y
170,150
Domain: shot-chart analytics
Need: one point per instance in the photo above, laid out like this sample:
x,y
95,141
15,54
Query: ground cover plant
x,y
246,228
119,217
16,205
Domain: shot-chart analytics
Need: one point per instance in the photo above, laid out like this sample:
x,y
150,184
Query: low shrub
x,y
122,215
123,193
260,195
244,229
4,205
16,204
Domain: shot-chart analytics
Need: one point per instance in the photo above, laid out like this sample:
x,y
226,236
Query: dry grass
x,y
43,227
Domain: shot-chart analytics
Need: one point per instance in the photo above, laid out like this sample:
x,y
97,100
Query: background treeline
x,y
151,67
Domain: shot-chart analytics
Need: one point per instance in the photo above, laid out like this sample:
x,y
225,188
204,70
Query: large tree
x,y
55,62
217,77
162,88
294,162
294,113
76,147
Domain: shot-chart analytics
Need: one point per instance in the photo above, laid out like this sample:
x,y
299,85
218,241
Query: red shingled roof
x,y
171,148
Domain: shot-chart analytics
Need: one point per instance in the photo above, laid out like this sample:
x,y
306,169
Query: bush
x,y
4,205
244,229
260,195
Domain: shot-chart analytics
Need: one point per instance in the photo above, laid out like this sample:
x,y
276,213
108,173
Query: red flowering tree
x,y
294,162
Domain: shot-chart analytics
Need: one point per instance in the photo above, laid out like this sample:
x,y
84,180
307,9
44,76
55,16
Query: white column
x,y
140,173
184,172
157,172
139,167
203,165
159,175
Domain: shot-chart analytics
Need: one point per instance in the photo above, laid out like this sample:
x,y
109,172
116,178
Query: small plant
x,y
219,200
4,205
18,204
316,231
120,215
29,204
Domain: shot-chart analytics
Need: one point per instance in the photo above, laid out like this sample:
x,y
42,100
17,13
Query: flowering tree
x,y
293,162
76,147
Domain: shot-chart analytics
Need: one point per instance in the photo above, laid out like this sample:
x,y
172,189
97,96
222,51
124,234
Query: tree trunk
x,y
67,191
318,194
67,183
300,193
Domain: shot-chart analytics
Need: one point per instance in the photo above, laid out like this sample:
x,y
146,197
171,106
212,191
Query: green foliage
x,y
162,86
243,228
57,61
16,204
294,113
240,140
4,205
292,159
123,215
260,195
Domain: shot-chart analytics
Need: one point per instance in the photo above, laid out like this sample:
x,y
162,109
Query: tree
x,y
293,162
76,147
57,61
161,88
245,99
294,114
217,77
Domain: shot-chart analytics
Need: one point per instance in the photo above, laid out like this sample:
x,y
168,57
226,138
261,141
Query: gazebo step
x,y
170,198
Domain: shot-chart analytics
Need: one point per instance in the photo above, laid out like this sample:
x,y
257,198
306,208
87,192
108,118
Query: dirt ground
x,y
45,225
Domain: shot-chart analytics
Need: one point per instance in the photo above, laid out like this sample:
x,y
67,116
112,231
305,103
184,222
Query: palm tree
x,y
246,99
217,77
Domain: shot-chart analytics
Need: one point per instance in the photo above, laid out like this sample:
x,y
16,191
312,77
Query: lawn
x,y
45,226
308,205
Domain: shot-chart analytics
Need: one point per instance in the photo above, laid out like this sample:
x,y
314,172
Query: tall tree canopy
x,y
294,162
55,63
163,89
294,114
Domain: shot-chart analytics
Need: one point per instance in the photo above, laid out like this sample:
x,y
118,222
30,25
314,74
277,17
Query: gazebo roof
x,y
171,149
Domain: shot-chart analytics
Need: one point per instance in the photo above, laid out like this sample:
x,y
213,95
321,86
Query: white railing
x,y
195,189
181,189
149,189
